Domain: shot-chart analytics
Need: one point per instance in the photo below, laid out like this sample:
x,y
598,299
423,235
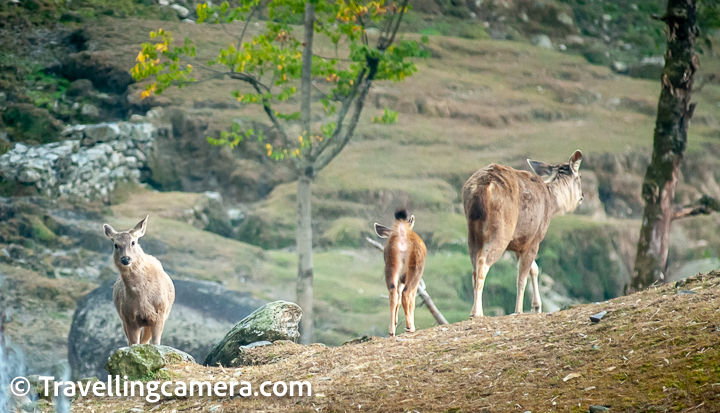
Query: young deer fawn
x,y
507,209
144,293
404,263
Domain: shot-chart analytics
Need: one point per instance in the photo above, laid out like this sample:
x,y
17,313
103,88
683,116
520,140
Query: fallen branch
x,y
421,290
706,205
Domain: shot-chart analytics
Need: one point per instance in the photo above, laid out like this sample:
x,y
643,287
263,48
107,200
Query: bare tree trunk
x,y
303,238
303,232
670,141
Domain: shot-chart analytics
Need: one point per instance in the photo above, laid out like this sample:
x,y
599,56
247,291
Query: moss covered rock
x,y
272,322
143,360
30,123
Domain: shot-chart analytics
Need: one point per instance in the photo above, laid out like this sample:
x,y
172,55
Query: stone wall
x,y
87,166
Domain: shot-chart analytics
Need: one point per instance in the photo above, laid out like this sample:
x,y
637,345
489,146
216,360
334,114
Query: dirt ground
x,y
653,351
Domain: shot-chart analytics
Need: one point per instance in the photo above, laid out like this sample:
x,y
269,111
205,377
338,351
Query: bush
x,y
474,31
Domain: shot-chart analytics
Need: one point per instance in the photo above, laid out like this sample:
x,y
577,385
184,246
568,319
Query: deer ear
x,y
411,221
140,228
382,231
109,231
543,170
575,160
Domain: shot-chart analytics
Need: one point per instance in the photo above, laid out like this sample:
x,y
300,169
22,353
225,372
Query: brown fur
x,y
144,293
404,264
508,209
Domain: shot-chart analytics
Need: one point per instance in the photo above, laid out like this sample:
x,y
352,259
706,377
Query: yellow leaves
x,y
240,98
140,57
279,67
300,139
333,78
297,152
148,91
269,149
161,47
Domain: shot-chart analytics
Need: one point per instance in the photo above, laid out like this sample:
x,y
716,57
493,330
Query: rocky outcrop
x,y
98,67
88,166
202,314
142,360
272,322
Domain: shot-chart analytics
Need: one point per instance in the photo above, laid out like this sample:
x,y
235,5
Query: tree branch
x,y
706,205
391,39
439,318
344,108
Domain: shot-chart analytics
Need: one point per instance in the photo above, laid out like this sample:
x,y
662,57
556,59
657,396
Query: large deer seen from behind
x,y
508,209
404,264
144,293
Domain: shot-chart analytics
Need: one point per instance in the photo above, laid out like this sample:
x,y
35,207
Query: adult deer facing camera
x,y
507,209
144,293
404,264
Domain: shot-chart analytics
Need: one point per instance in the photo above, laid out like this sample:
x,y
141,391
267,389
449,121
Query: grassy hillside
x,y
653,351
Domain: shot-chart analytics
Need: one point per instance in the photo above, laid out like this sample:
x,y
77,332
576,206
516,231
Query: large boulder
x,y
648,68
203,312
99,68
142,360
274,321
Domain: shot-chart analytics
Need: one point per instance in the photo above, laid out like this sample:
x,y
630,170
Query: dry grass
x,y
653,351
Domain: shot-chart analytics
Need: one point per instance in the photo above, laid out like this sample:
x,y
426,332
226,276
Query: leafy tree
x,y
268,67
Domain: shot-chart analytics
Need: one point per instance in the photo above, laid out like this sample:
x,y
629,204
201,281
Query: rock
x,y
181,11
201,316
648,68
274,321
686,292
573,39
597,317
188,21
598,409
141,360
257,344
102,132
79,88
620,67
542,41
98,67
565,19
163,3
89,111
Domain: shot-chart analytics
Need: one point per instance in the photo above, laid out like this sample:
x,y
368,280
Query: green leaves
x,y
389,117
268,63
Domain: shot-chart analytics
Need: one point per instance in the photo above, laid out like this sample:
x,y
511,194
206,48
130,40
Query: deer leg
x,y
391,279
524,265
156,331
407,304
145,335
536,303
412,280
132,332
481,269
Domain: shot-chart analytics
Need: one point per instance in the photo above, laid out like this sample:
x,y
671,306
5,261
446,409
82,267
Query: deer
x,y
144,293
404,256
510,210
